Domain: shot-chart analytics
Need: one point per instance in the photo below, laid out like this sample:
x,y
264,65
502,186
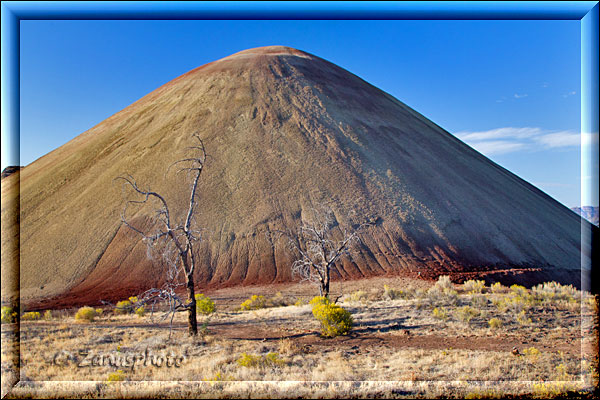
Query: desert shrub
x,y
99,311
218,377
116,376
278,301
86,314
254,303
519,299
551,390
479,301
288,347
204,304
252,360
440,313
140,311
442,292
522,318
390,293
393,294
8,315
554,292
519,290
319,300
272,359
466,313
299,303
472,286
248,360
444,282
497,287
334,319
123,307
514,304
31,316
358,296
48,315
532,353
495,323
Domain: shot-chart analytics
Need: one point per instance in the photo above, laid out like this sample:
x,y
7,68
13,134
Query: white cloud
x,y
571,93
559,139
500,133
520,96
497,147
511,139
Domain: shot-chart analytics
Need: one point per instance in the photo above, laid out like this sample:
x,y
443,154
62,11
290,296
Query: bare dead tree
x,y
317,249
173,241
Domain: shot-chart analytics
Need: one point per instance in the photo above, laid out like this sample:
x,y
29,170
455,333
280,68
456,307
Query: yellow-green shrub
x,y
47,315
466,313
299,303
123,307
519,290
248,360
444,282
440,313
8,315
31,316
251,360
278,301
479,300
472,286
515,302
140,311
390,293
86,314
551,390
334,319
556,294
116,376
532,352
204,304
443,291
393,294
497,287
254,303
319,300
272,359
437,294
359,295
495,323
218,377
522,318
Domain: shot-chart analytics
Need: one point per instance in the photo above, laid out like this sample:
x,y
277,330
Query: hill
x,y
286,130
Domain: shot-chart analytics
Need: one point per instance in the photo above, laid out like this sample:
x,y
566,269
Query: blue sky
x,y
511,89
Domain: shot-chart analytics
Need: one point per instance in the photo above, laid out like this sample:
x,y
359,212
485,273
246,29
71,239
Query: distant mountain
x,y
588,212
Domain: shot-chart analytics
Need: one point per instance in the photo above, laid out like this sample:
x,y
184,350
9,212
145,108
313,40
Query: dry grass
x,y
393,341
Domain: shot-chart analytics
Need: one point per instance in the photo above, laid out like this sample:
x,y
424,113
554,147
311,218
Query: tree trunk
x,y
325,283
192,321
